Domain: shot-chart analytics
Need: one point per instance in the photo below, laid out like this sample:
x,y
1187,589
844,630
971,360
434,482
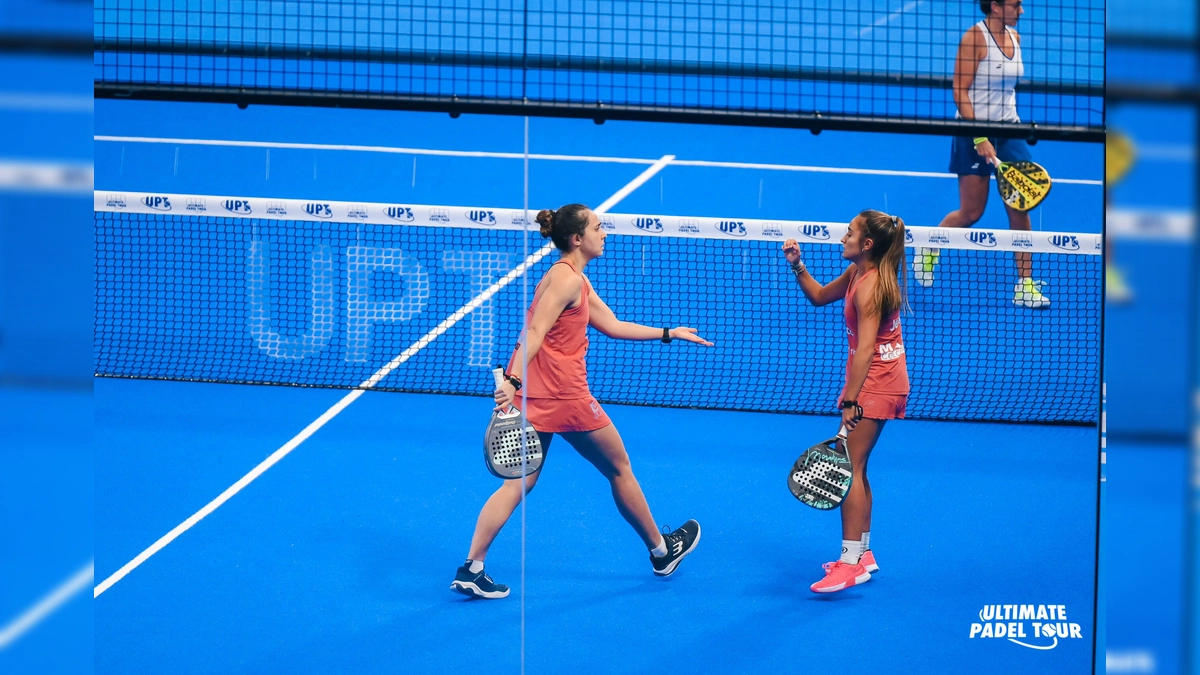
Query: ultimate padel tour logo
x,y
403,214
818,232
939,237
481,217
1066,242
1032,626
318,210
157,203
982,238
734,228
241,206
648,224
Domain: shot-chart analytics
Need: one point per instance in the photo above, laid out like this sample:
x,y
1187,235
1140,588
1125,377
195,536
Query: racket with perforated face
x,y
1022,185
821,477
511,447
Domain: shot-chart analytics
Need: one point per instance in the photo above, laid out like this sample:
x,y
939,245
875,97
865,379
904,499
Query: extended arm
x,y
604,320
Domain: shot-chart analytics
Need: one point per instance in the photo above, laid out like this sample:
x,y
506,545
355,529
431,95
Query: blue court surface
x,y
46,494
1145,620
339,558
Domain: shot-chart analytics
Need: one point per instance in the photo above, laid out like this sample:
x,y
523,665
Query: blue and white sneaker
x,y
679,543
477,585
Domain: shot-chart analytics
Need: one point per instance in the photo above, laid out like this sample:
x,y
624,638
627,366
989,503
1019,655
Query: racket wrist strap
x,y
852,404
980,139
666,338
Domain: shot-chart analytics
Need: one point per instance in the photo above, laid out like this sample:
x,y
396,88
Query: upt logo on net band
x,y
1066,242
1032,626
648,224
818,232
735,228
403,214
481,217
318,210
157,203
236,206
982,238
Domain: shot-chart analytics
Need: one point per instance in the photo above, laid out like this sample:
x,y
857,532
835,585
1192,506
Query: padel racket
x,y
821,477
1022,185
510,447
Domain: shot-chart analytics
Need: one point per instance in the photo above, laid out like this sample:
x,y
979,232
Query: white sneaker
x,y
924,260
1028,294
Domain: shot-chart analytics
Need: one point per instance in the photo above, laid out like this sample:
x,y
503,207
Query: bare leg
x,y
500,506
606,451
856,509
1019,220
972,199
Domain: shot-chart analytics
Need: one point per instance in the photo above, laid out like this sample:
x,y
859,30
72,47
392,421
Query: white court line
x,y
63,177
46,606
368,148
1166,152
838,169
553,158
45,102
888,19
368,384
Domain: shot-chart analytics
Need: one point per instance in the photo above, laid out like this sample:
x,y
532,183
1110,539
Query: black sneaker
x,y
477,585
679,543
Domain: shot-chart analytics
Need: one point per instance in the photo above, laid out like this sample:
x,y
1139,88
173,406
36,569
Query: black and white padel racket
x,y
821,477
510,447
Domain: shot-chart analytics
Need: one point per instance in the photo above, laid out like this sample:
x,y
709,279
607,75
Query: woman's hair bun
x,y
545,219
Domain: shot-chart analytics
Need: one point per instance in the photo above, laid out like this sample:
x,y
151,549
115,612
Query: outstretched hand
x,y
689,334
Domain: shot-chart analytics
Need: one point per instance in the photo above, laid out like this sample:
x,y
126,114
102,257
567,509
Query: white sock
x,y
866,543
660,550
476,566
850,551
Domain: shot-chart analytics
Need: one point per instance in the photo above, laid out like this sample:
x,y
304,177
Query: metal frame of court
x,y
600,113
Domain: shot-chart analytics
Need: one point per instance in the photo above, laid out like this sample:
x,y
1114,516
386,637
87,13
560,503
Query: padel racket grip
x,y
498,373
843,432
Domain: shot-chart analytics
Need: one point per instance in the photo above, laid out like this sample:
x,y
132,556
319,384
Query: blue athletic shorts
x,y
964,161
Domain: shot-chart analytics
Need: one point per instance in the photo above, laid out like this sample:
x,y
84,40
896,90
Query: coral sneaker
x,y
868,561
840,576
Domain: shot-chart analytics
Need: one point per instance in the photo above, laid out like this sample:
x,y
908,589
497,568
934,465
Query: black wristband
x,y
514,381
858,411
666,338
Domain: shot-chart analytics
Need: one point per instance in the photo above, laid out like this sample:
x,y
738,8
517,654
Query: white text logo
x,y
1032,626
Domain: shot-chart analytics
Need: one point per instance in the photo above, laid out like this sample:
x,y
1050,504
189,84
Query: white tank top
x,y
993,93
